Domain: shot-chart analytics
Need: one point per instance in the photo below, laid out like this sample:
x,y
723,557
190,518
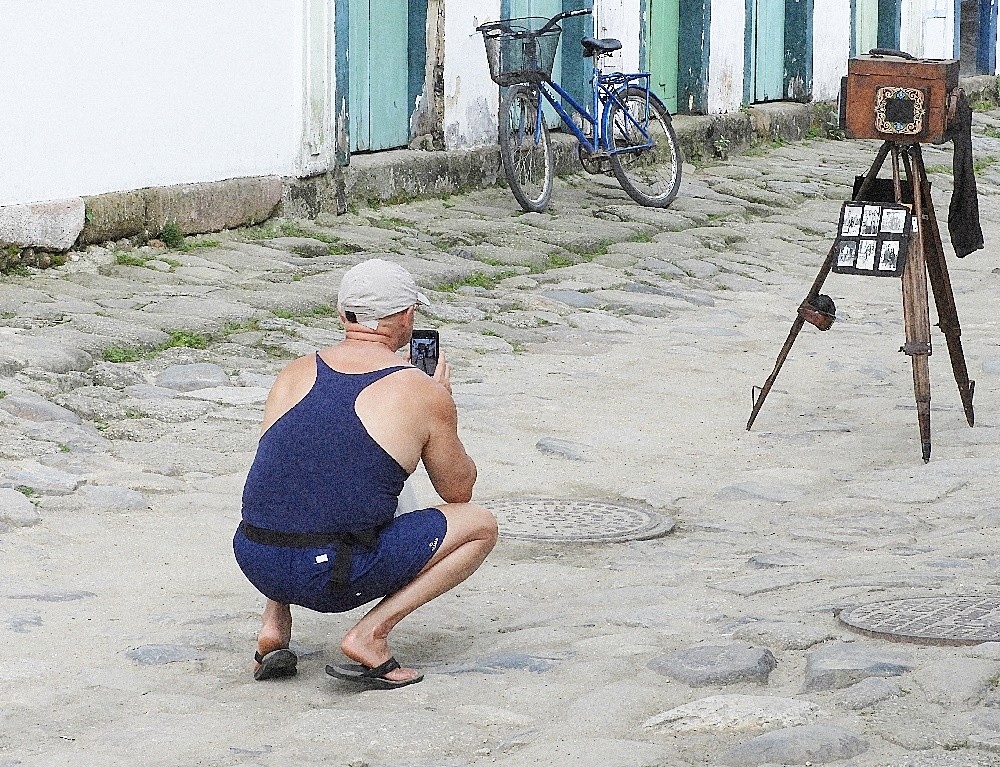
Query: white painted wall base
x,y
471,98
726,56
619,19
928,28
831,47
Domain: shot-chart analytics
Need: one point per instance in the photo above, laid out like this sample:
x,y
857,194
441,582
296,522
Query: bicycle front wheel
x,y
525,149
651,175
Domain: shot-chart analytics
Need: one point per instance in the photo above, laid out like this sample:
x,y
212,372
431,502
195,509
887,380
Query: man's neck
x,y
359,334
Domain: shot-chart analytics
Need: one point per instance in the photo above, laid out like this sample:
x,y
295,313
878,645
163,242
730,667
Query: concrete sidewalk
x,y
602,352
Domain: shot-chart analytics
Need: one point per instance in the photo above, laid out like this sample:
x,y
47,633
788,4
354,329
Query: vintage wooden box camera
x,y
897,99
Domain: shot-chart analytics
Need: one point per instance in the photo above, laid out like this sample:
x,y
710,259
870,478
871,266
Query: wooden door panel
x,y
378,66
389,72
663,50
865,26
359,77
768,50
545,9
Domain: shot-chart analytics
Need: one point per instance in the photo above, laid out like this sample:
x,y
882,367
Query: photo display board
x,y
872,239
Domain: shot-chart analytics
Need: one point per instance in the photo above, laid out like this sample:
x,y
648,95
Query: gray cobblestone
x,y
599,328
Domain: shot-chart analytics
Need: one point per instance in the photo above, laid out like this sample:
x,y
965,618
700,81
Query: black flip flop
x,y
275,665
373,678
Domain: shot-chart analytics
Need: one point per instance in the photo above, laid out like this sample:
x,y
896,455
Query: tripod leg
x,y
916,318
814,291
785,349
944,298
922,395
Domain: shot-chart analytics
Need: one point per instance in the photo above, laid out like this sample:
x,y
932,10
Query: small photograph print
x,y
893,221
888,256
852,221
870,220
866,254
845,257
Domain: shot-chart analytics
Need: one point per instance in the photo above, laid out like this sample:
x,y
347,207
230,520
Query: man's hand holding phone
x,y
424,350
426,354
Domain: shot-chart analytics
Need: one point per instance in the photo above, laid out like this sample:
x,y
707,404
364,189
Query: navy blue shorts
x,y
299,576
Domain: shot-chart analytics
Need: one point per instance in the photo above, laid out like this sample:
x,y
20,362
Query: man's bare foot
x,y
275,630
372,651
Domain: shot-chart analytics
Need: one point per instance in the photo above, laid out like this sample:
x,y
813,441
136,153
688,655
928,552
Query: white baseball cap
x,y
375,289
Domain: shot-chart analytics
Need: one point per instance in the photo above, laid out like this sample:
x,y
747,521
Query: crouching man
x,y
343,429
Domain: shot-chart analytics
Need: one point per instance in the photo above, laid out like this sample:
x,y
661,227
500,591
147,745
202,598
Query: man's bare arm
x,y
451,470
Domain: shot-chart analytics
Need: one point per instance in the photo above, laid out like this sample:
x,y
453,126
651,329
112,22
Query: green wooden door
x,y
378,67
866,26
874,24
662,51
767,50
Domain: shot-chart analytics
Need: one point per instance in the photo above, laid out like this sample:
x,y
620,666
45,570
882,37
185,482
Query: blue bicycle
x,y
628,130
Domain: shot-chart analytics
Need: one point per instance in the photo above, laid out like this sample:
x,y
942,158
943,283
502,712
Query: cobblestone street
x,y
601,352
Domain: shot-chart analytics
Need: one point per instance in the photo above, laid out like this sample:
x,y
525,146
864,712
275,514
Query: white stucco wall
x,y
110,95
831,47
996,44
471,98
726,55
928,28
619,19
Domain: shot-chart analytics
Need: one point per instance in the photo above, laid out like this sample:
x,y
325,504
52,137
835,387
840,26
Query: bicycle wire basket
x,y
518,52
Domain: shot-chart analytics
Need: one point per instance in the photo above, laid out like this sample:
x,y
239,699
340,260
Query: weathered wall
x,y
726,64
831,47
317,146
996,44
109,95
470,96
619,19
427,120
928,28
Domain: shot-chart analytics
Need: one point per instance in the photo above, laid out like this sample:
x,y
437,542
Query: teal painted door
x,y
542,9
767,50
378,66
865,26
662,51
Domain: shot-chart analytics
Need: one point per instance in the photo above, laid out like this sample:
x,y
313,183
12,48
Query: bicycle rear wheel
x,y
527,157
652,175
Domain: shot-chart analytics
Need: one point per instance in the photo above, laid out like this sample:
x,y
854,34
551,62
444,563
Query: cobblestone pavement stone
x,y
603,352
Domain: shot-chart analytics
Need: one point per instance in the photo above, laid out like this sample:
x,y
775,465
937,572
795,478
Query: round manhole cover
x,y
566,521
929,620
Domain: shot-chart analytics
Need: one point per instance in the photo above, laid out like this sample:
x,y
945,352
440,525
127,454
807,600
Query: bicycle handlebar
x,y
564,15
503,26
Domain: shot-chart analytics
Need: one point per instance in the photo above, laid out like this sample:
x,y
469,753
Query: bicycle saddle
x,y
593,46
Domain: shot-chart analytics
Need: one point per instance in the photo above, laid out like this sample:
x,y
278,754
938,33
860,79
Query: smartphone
x,y
424,350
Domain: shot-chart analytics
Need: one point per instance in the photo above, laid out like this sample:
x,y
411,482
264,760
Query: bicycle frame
x,y
605,89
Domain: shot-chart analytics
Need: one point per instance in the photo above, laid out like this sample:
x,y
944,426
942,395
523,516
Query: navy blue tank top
x,y
317,469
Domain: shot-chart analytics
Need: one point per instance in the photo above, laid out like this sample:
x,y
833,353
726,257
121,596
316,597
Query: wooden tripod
x,y
925,259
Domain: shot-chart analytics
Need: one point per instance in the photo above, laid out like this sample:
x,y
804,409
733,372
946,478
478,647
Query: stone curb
x,y
44,225
401,175
194,208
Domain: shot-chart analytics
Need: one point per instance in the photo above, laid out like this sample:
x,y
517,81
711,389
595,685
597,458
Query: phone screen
x,y
424,350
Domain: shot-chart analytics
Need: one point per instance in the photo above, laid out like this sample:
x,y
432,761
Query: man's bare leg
x,y
471,535
275,629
